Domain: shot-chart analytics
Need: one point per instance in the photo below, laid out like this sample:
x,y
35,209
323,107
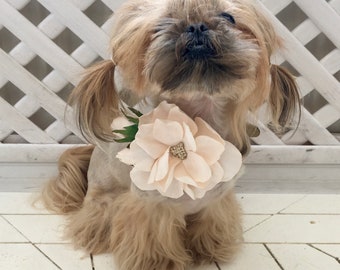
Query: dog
x,y
212,59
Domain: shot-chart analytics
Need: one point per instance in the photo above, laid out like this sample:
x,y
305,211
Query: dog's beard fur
x,y
191,53
224,58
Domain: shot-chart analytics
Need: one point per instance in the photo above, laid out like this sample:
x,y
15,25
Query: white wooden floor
x,y
291,232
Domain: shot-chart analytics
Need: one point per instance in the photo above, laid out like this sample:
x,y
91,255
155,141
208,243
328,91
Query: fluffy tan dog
x,y
212,59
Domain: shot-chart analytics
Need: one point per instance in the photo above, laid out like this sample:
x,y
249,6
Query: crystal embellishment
x,y
179,151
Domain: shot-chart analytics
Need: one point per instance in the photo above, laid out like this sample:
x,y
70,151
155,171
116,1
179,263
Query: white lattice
x,y
37,41
314,74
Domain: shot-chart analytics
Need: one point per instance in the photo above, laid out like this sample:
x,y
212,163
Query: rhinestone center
x,y
179,151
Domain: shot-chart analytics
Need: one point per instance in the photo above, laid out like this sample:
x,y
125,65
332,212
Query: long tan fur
x,y
284,98
66,192
96,101
215,233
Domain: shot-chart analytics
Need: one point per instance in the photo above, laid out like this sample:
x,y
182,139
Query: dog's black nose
x,y
197,28
198,45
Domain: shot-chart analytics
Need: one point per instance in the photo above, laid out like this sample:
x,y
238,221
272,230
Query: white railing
x,y
317,127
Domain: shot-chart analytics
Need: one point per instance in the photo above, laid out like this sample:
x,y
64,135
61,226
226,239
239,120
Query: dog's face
x,y
210,57
197,46
208,46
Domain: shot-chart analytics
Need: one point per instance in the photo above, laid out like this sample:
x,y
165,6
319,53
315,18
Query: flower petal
x,y
160,112
145,140
198,192
189,140
197,167
126,156
137,157
194,193
140,179
175,114
160,168
190,191
167,132
169,178
182,175
231,161
206,130
217,176
174,191
209,148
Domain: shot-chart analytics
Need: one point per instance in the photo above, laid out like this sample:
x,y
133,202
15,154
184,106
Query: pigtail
x,y
284,99
96,101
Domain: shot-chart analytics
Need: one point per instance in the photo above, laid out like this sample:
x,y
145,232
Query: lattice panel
x,y
312,52
46,44
41,69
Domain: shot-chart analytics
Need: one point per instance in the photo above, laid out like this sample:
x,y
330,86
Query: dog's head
x,y
211,57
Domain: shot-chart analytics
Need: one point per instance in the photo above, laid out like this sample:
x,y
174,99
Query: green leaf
x,y
136,112
129,133
130,118
125,140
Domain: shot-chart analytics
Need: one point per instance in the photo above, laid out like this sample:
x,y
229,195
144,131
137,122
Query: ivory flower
x,y
174,154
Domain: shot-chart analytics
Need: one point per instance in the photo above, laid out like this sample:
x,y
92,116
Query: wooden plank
x,y
294,154
321,204
302,257
314,131
332,250
58,131
258,178
327,115
3,131
324,155
297,229
290,179
306,31
266,135
32,153
305,87
332,61
336,5
113,4
24,127
276,6
27,170
18,4
51,26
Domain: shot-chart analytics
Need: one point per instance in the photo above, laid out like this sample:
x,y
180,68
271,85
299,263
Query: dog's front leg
x,y
148,234
214,234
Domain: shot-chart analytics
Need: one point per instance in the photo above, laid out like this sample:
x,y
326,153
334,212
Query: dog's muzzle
x,y
198,44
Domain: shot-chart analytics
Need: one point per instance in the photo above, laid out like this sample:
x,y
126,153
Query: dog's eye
x,y
228,17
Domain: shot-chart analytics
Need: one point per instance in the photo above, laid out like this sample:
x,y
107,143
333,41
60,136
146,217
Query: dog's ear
x,y
284,99
132,33
96,101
